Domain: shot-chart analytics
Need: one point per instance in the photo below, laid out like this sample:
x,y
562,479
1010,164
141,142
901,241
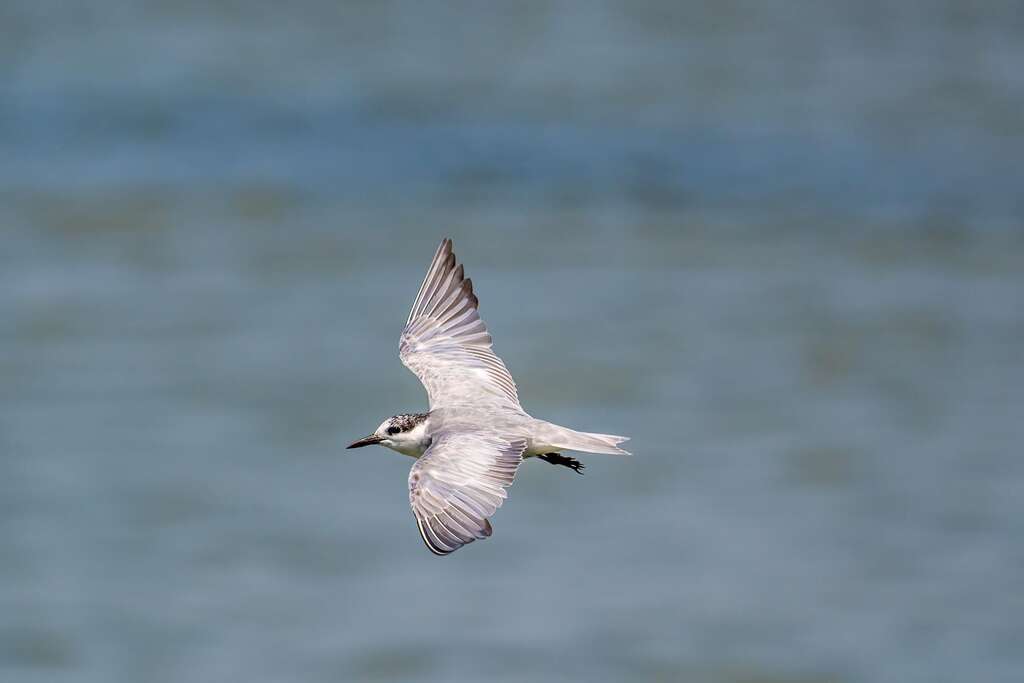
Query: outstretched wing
x,y
458,483
446,344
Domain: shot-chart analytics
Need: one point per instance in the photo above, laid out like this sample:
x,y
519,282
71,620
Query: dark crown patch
x,y
407,421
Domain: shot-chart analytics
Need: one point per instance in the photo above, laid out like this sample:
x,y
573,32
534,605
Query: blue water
x,y
781,247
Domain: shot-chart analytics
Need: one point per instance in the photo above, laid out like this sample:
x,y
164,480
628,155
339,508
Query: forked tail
x,y
569,439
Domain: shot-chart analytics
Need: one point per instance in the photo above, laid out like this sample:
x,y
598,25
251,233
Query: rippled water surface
x,y
780,247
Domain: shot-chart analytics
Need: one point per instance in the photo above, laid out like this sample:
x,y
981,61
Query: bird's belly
x,y
534,448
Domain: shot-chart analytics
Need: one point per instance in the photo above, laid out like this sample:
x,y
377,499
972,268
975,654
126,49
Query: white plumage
x,y
476,434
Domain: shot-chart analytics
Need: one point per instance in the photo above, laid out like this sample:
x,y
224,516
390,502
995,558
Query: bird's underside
x,y
478,433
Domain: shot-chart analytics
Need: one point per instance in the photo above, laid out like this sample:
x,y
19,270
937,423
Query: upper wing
x,y
446,344
458,483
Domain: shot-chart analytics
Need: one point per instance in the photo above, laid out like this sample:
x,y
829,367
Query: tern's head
x,y
403,433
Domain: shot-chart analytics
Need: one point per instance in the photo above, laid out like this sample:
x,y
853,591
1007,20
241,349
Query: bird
x,y
475,434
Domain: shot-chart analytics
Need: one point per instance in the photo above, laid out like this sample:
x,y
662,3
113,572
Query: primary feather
x,y
446,344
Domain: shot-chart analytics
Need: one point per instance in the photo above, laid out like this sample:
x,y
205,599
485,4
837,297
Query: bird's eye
x,y
392,430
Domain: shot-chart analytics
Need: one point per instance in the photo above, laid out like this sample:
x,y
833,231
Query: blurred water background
x,y
779,244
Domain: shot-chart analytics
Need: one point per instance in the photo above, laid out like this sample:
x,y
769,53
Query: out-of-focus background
x,y
779,244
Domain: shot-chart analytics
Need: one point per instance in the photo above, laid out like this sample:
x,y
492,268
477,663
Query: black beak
x,y
368,441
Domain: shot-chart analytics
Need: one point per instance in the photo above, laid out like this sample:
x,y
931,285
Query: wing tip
x,y
442,253
431,546
438,546
446,246
467,290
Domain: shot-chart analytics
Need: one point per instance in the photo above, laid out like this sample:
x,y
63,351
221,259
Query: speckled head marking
x,y
402,423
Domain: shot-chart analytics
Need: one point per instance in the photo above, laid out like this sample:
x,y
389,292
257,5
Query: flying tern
x,y
471,441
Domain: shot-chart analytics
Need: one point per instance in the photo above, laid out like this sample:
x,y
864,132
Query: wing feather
x,y
446,344
458,483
